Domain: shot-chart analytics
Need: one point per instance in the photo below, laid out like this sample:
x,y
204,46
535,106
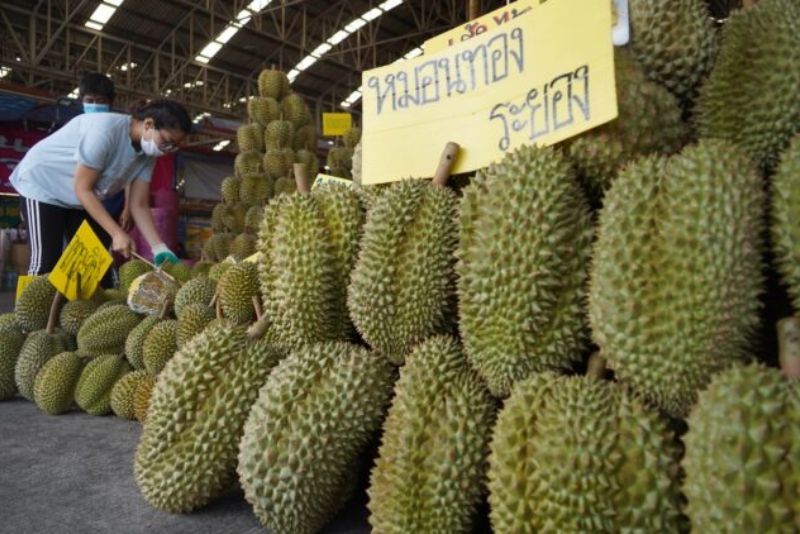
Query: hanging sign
x,y
334,124
85,259
536,79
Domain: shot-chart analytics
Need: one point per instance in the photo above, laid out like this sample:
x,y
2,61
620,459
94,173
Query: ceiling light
x,y
322,49
201,59
305,63
390,4
102,13
226,34
74,93
416,52
244,16
116,3
92,25
355,25
222,144
372,14
293,74
4,71
258,5
210,49
338,37
243,99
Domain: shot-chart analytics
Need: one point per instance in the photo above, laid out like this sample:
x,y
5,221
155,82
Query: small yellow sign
x,y
336,123
533,80
22,282
84,259
328,179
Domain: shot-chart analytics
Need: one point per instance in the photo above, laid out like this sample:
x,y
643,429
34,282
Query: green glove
x,y
161,254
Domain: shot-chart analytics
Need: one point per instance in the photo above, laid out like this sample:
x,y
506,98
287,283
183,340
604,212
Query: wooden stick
x,y
445,164
164,307
473,9
219,309
789,346
140,257
301,178
257,308
51,319
596,366
259,328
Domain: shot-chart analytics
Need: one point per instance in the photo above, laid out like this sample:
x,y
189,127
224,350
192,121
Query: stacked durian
x,y
279,133
340,161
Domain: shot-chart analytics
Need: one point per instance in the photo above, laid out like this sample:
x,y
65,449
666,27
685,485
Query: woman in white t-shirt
x,y
94,156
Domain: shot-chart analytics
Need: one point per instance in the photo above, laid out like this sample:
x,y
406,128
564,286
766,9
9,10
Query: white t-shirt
x,y
98,140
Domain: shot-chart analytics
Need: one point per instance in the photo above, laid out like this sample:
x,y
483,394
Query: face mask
x,y
96,108
149,146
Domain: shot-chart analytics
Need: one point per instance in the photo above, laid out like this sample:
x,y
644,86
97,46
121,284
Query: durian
x,y
309,161
305,138
74,313
134,343
352,137
54,387
250,137
33,305
285,186
243,246
121,399
278,163
130,271
11,341
230,191
141,397
273,83
248,163
216,221
106,330
786,219
295,110
252,219
255,190
160,345
93,392
279,134
37,349
193,320
197,291
263,109
237,287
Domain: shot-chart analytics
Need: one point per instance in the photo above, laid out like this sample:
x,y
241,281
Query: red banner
x,y
14,143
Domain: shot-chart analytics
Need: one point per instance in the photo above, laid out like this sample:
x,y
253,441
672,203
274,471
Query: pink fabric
x,y
166,222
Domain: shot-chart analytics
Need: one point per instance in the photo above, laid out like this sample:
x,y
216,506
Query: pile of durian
x,y
341,160
578,339
279,133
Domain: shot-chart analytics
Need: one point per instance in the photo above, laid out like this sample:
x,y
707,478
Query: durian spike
x,y
52,319
596,366
257,308
789,346
446,162
301,178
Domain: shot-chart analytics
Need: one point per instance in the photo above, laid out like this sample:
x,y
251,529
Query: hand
x,y
161,254
122,243
125,220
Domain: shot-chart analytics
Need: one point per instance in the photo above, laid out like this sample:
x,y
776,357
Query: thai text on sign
x,y
537,79
82,265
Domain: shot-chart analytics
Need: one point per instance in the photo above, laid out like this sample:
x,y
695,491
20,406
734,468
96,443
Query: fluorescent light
x,y
293,74
114,2
4,71
321,50
355,25
244,16
102,13
243,99
201,59
354,97
74,93
390,4
416,52
226,34
338,37
305,63
258,5
372,14
345,104
92,25
199,83
222,144
210,49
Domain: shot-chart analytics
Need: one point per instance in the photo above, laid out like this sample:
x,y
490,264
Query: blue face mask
x,y
96,108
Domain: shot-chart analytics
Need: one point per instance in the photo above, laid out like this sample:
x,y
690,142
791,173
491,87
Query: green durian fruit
x,y
221,244
74,313
33,305
340,158
11,342
250,137
677,272
216,219
742,457
194,319
442,407
305,138
8,322
93,392
786,219
105,331
524,254
230,189
252,219
312,250
218,269
263,109
266,233
237,287
309,161
37,349
279,134
352,137
54,387
179,271
187,452
248,163
255,190
134,343
278,163
160,345
751,95
200,269
576,454
285,186
114,294
233,218
243,246
195,291
121,399
402,289
649,122
141,397
356,169
305,435
130,271
675,42
295,110
108,304
273,83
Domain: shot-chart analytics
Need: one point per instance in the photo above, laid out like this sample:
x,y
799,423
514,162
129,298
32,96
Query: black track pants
x,y
50,227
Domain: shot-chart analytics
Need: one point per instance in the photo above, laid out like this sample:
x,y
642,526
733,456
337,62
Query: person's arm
x,y
85,178
125,219
140,210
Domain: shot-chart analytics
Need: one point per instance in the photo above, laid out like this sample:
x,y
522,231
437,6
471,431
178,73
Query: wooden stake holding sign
x,y
82,265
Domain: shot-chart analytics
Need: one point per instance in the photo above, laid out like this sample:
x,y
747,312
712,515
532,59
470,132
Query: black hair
x,y
165,114
96,83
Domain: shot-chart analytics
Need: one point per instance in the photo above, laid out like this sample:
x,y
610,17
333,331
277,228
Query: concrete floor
x,y
73,473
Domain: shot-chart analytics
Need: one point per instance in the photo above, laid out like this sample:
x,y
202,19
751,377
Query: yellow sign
x,y
328,179
22,282
535,80
84,259
336,123
479,26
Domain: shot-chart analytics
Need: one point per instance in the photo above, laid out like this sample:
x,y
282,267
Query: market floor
x,y
73,473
